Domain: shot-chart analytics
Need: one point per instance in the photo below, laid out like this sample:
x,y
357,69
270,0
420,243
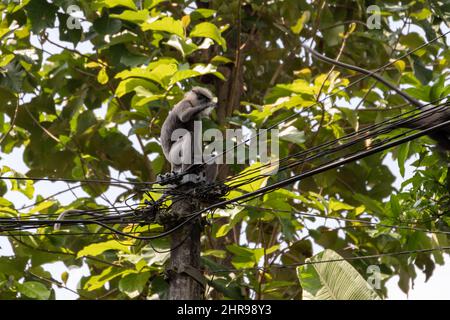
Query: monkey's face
x,y
204,97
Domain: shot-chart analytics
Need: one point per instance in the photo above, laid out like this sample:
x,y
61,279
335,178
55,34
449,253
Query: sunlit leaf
x,y
167,24
96,249
124,3
34,290
209,30
333,280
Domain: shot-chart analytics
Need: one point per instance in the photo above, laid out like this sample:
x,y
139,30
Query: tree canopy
x,y
86,85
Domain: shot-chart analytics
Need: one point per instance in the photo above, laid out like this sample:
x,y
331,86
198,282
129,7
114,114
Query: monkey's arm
x,y
404,95
187,111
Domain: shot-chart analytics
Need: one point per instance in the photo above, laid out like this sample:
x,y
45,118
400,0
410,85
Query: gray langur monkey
x,y
177,132
441,136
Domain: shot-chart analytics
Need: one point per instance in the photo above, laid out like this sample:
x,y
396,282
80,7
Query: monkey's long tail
x,y
376,76
57,225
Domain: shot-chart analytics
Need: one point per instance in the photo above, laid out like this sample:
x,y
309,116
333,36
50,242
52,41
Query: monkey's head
x,y
201,96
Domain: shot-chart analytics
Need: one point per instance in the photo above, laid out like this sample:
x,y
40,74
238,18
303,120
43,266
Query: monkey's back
x,y
171,124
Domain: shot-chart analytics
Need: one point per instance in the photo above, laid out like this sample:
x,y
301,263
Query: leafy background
x,y
89,103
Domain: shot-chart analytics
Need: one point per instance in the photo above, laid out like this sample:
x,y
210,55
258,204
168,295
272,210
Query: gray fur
x,y
196,104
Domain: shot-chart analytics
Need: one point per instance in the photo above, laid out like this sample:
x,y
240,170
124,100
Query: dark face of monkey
x,y
201,97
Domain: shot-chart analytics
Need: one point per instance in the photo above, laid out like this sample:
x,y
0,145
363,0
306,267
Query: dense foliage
x,y
89,102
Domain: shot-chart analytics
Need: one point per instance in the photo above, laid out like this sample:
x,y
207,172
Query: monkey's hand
x,y
190,112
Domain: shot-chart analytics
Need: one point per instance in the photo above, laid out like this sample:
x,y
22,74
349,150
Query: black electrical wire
x,y
106,221
243,197
371,131
364,257
356,138
307,174
354,220
365,76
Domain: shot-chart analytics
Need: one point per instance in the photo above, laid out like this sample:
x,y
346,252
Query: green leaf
x,y
413,40
123,3
98,281
337,280
420,92
209,30
249,173
85,121
245,257
25,187
41,14
102,76
292,134
332,35
301,22
223,230
98,248
34,290
297,86
370,204
42,206
220,60
186,47
161,74
166,24
137,17
106,25
6,59
130,84
3,188
198,70
335,205
403,152
66,33
152,3
242,262
4,203
423,14
421,71
221,254
133,284
65,277
438,89
231,290
400,65
202,13
238,250
395,206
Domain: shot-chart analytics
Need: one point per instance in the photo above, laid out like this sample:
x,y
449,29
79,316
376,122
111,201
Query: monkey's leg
x,y
211,171
180,153
187,150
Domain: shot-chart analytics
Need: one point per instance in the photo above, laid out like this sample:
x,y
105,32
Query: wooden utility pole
x,y
185,277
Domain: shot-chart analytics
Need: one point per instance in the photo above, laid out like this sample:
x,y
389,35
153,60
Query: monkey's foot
x,y
193,178
174,179
169,177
